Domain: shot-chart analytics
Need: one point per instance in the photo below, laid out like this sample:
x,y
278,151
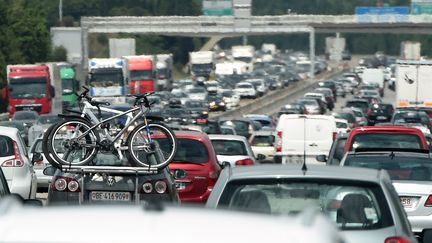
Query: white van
x,y
374,76
303,135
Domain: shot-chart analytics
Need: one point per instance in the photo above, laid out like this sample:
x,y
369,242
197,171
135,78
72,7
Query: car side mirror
x,y
37,157
321,158
260,157
49,171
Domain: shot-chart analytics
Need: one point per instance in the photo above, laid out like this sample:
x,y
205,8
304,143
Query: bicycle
x,y
78,139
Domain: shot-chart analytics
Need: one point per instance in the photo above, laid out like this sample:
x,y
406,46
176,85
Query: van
x,y
374,76
303,136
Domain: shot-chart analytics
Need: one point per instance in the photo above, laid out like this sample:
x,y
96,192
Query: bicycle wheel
x,y
67,148
45,145
155,139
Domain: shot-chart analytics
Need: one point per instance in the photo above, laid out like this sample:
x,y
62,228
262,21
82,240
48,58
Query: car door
x,y
319,134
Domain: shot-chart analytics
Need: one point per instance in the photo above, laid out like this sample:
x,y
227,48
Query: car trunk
x,y
413,195
196,181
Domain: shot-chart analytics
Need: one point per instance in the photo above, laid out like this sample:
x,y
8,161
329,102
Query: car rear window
x,y
262,140
229,147
386,141
240,127
6,146
351,205
188,151
358,104
399,167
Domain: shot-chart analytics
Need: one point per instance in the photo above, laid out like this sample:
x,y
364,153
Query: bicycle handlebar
x,y
84,94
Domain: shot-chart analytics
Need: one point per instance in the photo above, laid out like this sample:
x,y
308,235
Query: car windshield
x,y
386,141
229,147
347,116
400,118
399,167
141,75
197,91
28,88
244,86
194,104
239,126
262,140
188,151
25,116
350,205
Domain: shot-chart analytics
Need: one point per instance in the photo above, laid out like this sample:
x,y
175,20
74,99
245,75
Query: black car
x,y
197,109
215,102
331,85
379,113
362,104
336,152
176,115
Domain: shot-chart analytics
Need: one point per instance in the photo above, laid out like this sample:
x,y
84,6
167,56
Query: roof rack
x,y
109,169
424,151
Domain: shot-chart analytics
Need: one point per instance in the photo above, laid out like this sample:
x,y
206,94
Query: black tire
x,y
164,149
55,136
45,144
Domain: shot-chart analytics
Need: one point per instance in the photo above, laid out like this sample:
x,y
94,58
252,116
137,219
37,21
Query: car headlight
x,y
222,103
205,112
212,103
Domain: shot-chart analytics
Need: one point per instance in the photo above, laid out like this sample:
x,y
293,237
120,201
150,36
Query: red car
x,y
195,167
386,137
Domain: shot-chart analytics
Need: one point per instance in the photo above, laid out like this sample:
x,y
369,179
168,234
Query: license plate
x,y
180,185
381,118
407,202
110,196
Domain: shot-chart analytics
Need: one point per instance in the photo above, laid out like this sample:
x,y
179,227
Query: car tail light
x,y
428,202
244,162
64,184
397,239
279,142
17,161
334,135
159,187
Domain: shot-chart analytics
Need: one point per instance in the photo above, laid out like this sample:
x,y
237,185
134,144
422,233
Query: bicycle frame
x,y
129,121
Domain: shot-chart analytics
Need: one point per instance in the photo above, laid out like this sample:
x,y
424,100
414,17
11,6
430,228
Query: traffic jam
x,y
343,156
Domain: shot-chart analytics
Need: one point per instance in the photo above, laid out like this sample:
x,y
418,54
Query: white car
x,y
342,125
231,98
262,142
315,95
234,149
245,90
16,166
259,85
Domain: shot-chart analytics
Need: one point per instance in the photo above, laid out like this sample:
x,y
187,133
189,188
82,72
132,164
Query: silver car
x,y
234,149
362,202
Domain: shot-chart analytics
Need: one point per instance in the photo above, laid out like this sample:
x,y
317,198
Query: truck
x,y
268,48
140,73
30,87
334,48
230,68
164,71
410,50
374,76
413,84
69,85
202,64
244,54
106,80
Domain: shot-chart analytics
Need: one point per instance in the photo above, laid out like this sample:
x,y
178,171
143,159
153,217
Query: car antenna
x,y
304,167
392,155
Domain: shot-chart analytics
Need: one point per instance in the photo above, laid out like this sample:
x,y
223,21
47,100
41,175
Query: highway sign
x,y
217,7
381,14
421,6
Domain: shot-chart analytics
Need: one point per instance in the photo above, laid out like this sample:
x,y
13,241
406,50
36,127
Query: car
x,y
362,104
328,96
347,115
228,130
109,180
39,164
385,137
28,118
320,98
411,116
231,99
195,166
312,106
342,125
215,102
233,149
361,202
265,121
346,55
259,84
142,219
245,90
197,93
337,151
410,171
197,109
17,167
340,89
360,117
293,108
381,112
243,126
40,126
262,142
330,84
176,115
300,137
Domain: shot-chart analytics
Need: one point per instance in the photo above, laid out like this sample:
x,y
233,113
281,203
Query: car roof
x,y
313,171
190,134
8,131
389,129
227,137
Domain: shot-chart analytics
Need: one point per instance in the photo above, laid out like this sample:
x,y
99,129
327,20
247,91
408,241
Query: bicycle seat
x,y
98,103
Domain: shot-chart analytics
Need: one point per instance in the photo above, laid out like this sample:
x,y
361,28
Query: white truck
x,y
374,76
334,48
230,68
164,71
244,54
410,50
268,48
413,84
202,64
106,80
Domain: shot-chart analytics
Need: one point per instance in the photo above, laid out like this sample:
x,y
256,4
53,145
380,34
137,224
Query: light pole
x,y
60,9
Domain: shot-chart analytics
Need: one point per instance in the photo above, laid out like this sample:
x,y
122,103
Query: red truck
x,y
29,88
140,73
